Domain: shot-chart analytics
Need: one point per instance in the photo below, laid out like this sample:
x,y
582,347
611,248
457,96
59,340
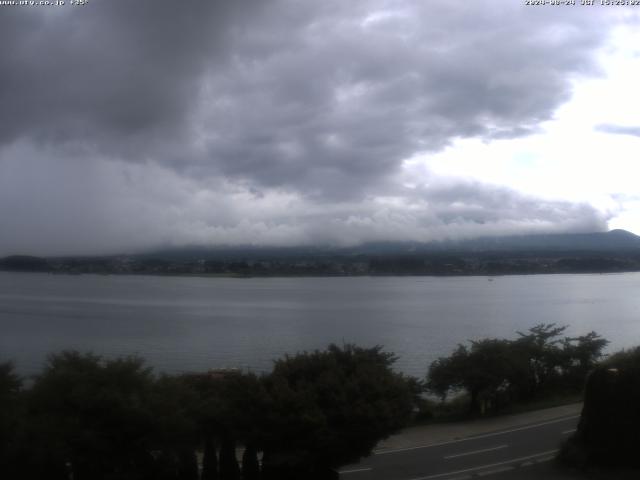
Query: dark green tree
x,y
229,468
11,420
175,433
496,372
539,353
329,408
230,409
445,374
609,429
92,417
209,459
483,371
250,464
581,355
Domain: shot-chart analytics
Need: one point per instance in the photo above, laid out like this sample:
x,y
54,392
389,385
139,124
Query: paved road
x,y
484,454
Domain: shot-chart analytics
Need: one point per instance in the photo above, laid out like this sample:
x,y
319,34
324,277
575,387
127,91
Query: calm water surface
x,y
186,323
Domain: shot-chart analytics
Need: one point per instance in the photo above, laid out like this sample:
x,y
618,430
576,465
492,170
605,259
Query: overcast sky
x,y
132,124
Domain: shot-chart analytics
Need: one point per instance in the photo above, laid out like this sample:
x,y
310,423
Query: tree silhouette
x,y
92,416
495,372
329,408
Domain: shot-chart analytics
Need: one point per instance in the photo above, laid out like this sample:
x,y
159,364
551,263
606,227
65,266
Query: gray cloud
x,y
123,207
116,73
619,129
131,123
345,100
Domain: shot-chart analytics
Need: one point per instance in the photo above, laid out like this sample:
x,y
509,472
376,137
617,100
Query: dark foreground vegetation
x,y
88,418
494,374
84,417
608,434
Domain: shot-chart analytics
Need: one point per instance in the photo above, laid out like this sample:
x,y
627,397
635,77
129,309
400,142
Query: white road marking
x,y
486,435
355,470
491,449
494,471
567,432
483,467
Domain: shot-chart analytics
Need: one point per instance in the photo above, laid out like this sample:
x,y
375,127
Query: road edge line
x,y
475,437
481,467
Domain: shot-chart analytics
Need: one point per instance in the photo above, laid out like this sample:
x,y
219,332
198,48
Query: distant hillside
x,y
612,241
24,263
603,252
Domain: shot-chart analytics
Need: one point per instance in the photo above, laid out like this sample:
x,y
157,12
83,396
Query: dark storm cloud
x,y
277,120
75,206
322,97
337,106
619,129
120,207
116,73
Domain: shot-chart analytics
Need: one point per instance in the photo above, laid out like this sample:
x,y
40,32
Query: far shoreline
x,y
489,277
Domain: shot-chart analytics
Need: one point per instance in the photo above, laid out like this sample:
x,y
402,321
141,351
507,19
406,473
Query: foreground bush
x,y
608,433
88,418
497,372
331,408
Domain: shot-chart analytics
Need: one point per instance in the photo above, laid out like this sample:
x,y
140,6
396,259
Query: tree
x,y
329,408
445,374
543,357
250,464
229,410
484,371
495,372
11,418
609,429
581,355
209,460
174,434
91,417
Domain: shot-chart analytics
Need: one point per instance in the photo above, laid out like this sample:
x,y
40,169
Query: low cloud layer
x,y
134,124
125,207
634,131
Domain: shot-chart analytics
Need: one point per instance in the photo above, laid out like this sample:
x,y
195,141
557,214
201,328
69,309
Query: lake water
x,y
189,323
